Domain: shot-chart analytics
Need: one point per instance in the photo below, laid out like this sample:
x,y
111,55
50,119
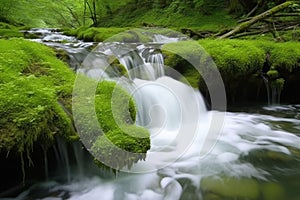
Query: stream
x,y
255,154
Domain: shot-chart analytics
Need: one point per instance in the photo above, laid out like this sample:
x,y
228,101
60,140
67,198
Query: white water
x,y
241,134
178,121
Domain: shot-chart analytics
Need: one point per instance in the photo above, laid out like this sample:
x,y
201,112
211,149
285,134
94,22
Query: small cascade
x,y
62,158
79,158
274,88
138,62
275,95
141,62
46,168
266,82
155,58
164,39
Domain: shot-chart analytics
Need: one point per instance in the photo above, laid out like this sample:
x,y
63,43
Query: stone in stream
x,y
230,188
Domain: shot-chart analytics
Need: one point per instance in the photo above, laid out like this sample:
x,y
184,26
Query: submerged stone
x,y
230,187
273,191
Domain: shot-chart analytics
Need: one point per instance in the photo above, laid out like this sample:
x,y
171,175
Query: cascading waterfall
x,y
243,158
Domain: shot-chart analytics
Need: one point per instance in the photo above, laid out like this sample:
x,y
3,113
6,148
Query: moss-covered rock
x,y
35,104
106,124
35,91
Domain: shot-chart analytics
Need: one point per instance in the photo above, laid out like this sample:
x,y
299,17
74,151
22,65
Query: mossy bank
x,y
35,93
243,65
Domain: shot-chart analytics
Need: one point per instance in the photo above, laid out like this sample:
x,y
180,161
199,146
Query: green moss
x,y
34,87
273,74
116,113
122,147
181,55
235,57
106,124
286,56
191,77
239,62
229,187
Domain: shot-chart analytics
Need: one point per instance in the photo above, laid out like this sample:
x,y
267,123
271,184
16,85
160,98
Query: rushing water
x,y
256,154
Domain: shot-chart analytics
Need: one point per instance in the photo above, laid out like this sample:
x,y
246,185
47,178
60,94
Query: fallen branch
x,y
287,15
250,33
243,26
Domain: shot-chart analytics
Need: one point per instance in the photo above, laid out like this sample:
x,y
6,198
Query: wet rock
x,y
230,187
273,191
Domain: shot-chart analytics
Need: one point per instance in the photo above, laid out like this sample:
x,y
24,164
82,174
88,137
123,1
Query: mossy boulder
x,y
106,123
35,107
184,57
36,90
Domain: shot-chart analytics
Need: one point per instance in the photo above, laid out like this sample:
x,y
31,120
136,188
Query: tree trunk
x,y
257,18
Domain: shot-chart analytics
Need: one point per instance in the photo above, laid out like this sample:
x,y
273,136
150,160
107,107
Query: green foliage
x,y
130,16
42,13
8,31
33,89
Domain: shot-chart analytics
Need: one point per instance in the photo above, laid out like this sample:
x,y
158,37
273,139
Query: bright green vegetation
x,y
42,13
106,124
218,188
165,18
239,62
35,94
8,31
202,14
